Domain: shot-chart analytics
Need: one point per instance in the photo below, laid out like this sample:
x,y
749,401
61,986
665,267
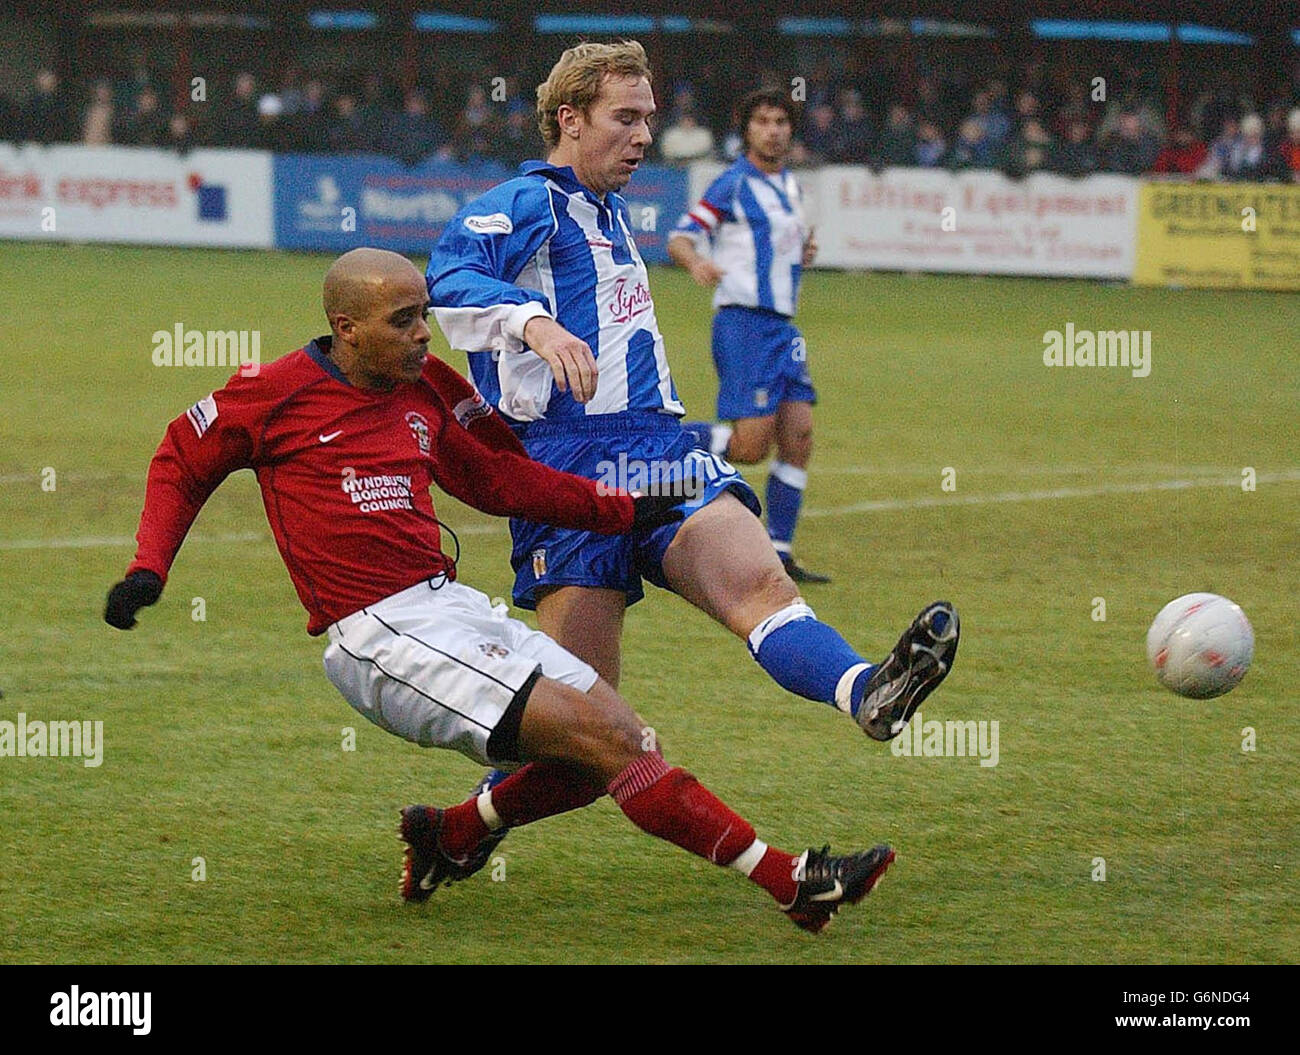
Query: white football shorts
x,y
436,664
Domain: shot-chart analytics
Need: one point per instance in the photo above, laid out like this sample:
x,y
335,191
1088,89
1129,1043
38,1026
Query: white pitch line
x,y
114,541
884,505
893,504
34,477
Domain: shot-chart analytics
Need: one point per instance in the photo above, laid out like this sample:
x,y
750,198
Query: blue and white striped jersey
x,y
752,225
543,244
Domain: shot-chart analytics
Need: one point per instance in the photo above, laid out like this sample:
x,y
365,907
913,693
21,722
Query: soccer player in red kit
x,y
345,436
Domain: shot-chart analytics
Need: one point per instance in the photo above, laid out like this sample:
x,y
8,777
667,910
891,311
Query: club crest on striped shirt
x,y
420,429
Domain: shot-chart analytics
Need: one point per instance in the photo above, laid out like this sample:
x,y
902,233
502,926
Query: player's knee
x,y
748,448
796,449
609,736
773,587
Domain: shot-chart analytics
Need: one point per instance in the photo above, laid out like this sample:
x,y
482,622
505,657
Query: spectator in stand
x,y
272,132
1028,109
994,124
1077,156
1275,127
929,105
819,131
376,112
477,128
127,89
973,148
346,133
291,93
1130,148
97,122
1075,108
1183,155
851,144
1288,153
686,140
307,129
1220,153
47,116
235,122
519,140
1248,161
144,124
414,134
897,146
931,147
180,137
1033,149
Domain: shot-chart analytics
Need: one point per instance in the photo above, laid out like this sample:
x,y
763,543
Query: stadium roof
x,y
1268,16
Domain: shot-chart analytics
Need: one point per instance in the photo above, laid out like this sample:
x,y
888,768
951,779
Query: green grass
x,y
223,737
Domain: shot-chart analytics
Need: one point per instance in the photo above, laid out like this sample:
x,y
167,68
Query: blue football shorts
x,y
762,362
639,450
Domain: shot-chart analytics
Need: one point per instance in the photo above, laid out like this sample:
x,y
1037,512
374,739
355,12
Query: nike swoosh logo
x,y
830,895
325,439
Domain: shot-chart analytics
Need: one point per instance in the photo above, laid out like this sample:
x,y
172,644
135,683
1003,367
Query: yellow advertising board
x,y
1218,235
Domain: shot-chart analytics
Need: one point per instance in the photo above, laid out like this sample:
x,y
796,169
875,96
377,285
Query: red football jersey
x,y
345,476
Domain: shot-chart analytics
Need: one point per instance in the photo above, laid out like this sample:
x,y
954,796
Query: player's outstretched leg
x,y
446,846
920,660
787,480
721,562
588,743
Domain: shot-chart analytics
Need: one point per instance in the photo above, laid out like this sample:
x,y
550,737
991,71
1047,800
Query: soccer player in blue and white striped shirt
x,y
748,236
540,282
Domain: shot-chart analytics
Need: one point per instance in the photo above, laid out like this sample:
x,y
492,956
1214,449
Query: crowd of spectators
x,y
1017,124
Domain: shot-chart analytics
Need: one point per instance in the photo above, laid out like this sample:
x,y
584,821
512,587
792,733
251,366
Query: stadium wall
x,y
978,222
134,194
337,202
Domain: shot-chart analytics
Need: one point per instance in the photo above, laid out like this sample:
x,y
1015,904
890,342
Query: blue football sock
x,y
809,658
785,487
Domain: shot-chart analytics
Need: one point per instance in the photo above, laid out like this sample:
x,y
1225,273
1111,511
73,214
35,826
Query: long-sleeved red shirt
x,y
345,476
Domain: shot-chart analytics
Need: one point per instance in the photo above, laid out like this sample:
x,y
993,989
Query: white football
x,y
1200,645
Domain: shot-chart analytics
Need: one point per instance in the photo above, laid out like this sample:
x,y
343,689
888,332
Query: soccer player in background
x,y
540,282
747,236
345,436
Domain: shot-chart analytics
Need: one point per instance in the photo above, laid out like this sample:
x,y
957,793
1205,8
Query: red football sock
x,y
671,804
543,789
539,789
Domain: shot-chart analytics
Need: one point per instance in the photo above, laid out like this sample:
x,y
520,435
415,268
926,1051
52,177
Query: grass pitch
x,y
223,739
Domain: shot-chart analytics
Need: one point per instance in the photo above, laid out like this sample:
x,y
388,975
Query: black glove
x,y
652,511
137,590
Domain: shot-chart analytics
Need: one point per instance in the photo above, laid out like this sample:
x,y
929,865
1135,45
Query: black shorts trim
x,y
503,742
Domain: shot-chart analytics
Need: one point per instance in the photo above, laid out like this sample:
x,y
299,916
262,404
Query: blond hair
x,y
576,79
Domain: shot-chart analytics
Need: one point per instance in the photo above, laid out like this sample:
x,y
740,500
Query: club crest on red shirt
x,y
420,429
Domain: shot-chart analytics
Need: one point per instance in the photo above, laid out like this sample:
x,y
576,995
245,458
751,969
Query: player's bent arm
x,y
473,267
569,357
503,483
470,408
189,464
684,250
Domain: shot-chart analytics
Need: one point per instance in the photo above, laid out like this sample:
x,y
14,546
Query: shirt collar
x,y
754,170
318,352
561,174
